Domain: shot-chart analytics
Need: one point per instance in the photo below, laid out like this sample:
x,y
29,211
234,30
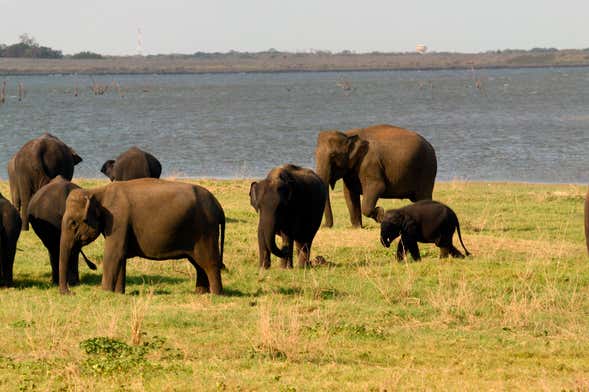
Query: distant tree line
x,y
28,47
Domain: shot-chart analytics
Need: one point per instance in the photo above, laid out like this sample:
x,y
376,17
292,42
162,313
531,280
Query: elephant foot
x,y
201,290
357,225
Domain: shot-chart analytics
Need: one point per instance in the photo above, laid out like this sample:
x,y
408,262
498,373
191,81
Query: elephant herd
x,y
140,215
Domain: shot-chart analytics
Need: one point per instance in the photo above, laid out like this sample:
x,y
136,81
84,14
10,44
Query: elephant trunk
x,y
268,228
324,173
65,254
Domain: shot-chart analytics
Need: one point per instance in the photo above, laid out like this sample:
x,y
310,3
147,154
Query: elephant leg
x,y
444,251
303,253
353,203
202,281
207,250
10,253
111,264
287,261
121,277
455,252
54,261
3,268
413,249
369,208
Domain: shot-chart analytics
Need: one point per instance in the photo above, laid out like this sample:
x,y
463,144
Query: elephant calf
x,y
290,201
132,164
425,221
10,226
149,218
46,210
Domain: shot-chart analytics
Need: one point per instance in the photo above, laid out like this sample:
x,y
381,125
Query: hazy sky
x,y
177,26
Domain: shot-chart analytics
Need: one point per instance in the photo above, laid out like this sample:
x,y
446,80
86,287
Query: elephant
x,y
425,221
45,213
290,202
150,218
587,220
34,165
131,164
10,226
381,161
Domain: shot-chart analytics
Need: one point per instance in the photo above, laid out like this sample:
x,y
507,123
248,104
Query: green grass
x,y
513,316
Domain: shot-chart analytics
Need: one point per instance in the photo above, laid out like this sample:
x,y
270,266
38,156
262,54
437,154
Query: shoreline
x,y
281,62
231,72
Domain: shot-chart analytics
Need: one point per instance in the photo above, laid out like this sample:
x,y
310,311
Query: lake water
x,y
520,125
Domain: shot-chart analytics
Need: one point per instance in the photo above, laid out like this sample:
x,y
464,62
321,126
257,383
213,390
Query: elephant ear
x,y
357,148
107,168
92,212
77,159
409,226
254,196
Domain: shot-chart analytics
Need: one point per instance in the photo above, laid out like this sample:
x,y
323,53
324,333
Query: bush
x,y
87,55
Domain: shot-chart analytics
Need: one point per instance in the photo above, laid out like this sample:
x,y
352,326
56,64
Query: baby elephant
x,y
424,221
131,164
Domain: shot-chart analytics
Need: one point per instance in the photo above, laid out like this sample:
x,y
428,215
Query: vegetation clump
x,y
28,47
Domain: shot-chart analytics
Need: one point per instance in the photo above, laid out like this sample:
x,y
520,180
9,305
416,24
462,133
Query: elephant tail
x,y
90,264
460,238
222,244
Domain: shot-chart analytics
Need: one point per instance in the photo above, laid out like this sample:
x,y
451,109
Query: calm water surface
x,y
521,125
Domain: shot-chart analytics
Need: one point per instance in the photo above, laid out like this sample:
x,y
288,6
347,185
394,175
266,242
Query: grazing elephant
x,y
587,220
424,221
133,163
45,213
381,161
290,201
10,225
34,165
149,218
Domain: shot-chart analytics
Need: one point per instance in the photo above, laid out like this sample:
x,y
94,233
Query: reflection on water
x,y
520,125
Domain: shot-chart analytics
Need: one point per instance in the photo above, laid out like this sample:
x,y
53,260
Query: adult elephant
x,y
34,165
131,164
587,220
381,161
290,201
149,218
46,210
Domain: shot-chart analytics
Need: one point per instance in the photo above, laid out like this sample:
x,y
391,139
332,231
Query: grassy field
x,y
513,316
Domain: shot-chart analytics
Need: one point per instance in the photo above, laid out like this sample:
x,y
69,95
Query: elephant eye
x,y
73,223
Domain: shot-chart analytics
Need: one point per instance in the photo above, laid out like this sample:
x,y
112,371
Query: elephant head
x,y
108,169
271,198
82,223
336,155
394,224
